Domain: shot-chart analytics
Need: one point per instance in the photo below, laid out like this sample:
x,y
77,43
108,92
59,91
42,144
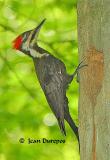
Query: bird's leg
x,y
76,72
77,77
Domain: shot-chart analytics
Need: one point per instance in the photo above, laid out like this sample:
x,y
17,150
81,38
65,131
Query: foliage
x,y
24,111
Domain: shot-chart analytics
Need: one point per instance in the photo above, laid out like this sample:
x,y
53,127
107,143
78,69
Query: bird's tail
x,y
62,126
72,125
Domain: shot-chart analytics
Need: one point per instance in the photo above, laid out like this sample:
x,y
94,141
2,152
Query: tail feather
x,y
72,125
62,126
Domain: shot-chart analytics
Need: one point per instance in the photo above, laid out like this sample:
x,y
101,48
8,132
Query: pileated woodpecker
x,y
52,75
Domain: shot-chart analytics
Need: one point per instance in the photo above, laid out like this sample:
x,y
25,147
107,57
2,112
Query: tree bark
x,y
94,99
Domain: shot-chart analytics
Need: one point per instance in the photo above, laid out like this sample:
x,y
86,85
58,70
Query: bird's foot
x,y
76,72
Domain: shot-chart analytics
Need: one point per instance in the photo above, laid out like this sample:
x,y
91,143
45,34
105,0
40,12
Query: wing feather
x,y
52,76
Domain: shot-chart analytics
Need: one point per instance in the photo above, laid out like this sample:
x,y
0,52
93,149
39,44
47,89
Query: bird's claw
x,y
77,69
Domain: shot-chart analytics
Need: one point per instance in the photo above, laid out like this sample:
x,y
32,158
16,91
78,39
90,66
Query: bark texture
x,y
94,100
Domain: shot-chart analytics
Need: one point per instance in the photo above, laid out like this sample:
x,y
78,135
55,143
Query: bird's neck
x,y
39,49
38,52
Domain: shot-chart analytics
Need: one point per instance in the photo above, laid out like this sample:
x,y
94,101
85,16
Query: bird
x,y
52,76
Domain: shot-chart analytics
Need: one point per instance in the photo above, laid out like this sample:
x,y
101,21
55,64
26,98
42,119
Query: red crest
x,y
17,43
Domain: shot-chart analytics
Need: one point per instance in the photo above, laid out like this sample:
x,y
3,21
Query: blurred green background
x,y
24,111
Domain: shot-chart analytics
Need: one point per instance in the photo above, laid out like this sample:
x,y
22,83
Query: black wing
x,y
53,79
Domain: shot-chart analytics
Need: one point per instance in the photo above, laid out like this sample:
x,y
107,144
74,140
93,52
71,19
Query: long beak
x,y
35,31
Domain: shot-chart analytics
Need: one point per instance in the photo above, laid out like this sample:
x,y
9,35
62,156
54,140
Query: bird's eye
x,y
24,37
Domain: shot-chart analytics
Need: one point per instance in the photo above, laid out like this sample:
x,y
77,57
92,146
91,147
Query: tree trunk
x,y
94,100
